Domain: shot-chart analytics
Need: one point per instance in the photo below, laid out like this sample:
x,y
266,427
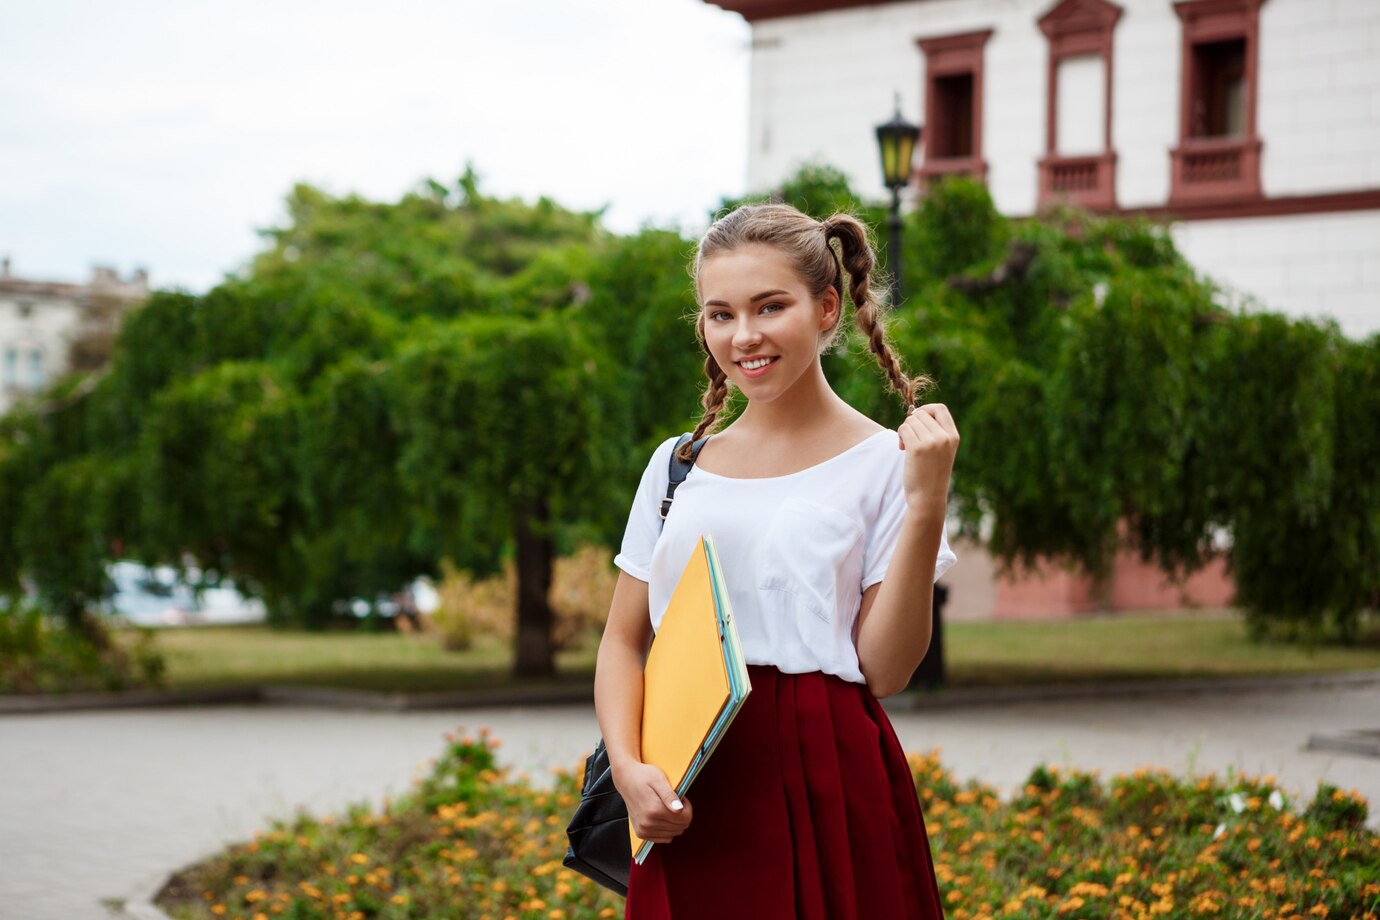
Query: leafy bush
x,y
469,841
41,655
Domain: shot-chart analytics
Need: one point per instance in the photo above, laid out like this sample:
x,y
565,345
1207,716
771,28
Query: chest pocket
x,y
805,551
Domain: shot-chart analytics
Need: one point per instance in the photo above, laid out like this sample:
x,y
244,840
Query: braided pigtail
x,y
715,395
859,261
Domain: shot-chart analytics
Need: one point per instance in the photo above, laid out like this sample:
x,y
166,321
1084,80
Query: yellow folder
x,y
695,679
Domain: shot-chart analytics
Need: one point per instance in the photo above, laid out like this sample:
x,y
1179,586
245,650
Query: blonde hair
x,y
808,244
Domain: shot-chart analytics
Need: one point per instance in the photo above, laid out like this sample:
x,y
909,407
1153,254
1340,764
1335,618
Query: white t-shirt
x,y
797,550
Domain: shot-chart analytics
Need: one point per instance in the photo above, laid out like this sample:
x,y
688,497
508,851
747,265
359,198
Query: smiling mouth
x,y
752,364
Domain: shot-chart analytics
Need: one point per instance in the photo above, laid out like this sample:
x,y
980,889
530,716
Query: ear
x,y
831,309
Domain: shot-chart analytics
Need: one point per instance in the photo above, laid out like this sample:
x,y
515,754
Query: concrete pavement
x,y
103,805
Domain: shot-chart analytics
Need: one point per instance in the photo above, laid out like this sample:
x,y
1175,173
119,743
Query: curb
x,y
919,700
334,698
583,693
291,695
130,699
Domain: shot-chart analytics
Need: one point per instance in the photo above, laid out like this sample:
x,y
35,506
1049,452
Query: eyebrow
x,y
753,299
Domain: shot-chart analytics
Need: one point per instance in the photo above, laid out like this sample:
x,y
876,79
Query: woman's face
x,y
761,324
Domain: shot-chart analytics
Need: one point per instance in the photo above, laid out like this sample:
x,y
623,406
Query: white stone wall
x,y
45,329
1145,100
820,86
1306,265
1319,113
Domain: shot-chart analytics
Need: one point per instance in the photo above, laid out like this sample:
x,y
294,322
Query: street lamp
x,y
897,139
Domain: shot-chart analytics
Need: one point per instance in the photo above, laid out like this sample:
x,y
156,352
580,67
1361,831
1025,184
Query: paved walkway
x,y
103,805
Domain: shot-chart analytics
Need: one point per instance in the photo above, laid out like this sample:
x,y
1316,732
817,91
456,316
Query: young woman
x,y
831,532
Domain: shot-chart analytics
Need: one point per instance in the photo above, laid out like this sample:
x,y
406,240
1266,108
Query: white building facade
x,y
1253,124
39,321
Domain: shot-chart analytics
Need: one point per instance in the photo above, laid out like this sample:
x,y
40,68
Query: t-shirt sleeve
x,y
882,537
644,518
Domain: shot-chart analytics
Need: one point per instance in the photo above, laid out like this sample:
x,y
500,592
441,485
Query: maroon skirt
x,y
807,809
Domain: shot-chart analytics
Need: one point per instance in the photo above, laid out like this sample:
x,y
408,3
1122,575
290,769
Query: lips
x,y
758,371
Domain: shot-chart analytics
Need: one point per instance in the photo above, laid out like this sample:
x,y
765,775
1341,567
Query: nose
x,y
746,334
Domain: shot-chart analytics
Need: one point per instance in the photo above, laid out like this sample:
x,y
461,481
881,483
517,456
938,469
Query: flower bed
x,y
471,842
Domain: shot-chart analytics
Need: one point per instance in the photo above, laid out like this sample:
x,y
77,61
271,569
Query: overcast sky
x,y
161,134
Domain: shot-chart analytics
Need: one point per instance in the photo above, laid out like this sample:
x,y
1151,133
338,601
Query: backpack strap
x,y
679,470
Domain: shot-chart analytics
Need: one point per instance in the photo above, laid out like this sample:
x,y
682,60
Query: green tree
x,y
386,384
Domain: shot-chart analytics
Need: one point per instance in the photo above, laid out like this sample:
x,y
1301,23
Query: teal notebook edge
x,y
735,666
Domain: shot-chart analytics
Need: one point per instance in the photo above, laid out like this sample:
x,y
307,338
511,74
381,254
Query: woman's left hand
x,y
930,439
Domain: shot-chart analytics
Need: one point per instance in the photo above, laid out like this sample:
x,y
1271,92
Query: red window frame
x,y
1076,28
950,56
1216,169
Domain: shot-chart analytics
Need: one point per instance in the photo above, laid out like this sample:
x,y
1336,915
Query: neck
x,y
807,405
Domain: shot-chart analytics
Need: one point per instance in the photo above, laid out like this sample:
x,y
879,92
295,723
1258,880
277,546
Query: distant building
x,y
1257,122
41,322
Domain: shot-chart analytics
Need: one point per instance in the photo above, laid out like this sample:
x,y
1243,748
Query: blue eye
x,y
717,313
776,305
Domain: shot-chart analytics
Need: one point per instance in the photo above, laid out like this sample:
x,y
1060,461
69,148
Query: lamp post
x,y
897,139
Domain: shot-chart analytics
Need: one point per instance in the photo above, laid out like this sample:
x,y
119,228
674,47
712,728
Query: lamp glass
x,y
904,157
896,140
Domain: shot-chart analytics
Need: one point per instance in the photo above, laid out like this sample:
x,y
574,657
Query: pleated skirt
x,y
806,811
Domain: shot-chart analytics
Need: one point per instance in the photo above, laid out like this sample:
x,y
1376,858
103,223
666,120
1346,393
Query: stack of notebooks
x,y
695,679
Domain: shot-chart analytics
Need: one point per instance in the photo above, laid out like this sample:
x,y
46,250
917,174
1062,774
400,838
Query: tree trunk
x,y
535,653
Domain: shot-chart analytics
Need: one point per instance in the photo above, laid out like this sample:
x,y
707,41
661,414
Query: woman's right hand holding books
x,y
656,812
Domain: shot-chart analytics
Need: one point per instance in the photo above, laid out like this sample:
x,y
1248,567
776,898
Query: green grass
x,y
1125,646
205,657
1135,646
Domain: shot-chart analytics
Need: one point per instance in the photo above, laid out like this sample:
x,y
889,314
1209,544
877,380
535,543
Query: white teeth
x,y
756,363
